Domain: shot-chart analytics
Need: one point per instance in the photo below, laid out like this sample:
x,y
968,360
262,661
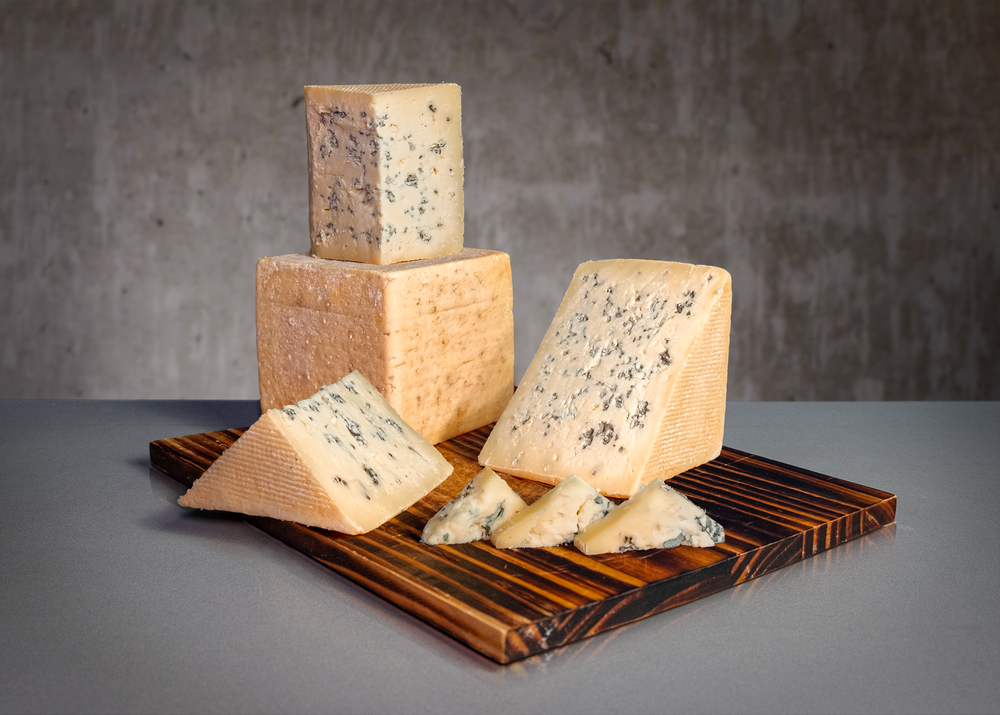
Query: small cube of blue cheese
x,y
555,518
483,505
342,459
385,171
656,517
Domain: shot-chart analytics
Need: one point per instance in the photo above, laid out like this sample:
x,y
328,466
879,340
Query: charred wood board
x,y
509,604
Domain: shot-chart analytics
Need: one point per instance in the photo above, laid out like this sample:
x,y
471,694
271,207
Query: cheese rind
x,y
341,459
656,517
555,518
629,383
435,337
483,505
385,171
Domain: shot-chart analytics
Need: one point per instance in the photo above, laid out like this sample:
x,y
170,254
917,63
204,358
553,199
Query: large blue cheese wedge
x,y
657,517
342,459
555,518
629,383
484,504
385,171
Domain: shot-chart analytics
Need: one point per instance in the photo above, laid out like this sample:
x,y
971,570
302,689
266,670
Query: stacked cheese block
x,y
388,288
387,337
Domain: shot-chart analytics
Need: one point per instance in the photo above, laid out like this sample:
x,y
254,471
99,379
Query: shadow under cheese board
x,y
510,604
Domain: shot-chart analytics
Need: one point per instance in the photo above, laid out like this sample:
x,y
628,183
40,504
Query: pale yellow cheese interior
x,y
386,171
629,383
435,337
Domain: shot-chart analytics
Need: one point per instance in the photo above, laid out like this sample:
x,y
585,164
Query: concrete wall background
x,y
842,160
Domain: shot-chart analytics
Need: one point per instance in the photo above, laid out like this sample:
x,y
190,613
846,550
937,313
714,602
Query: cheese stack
x,y
388,287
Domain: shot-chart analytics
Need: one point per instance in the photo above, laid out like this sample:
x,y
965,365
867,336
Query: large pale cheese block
x,y
385,171
555,518
629,383
342,459
484,504
435,337
656,517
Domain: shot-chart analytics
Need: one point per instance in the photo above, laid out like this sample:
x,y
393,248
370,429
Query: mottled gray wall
x,y
842,160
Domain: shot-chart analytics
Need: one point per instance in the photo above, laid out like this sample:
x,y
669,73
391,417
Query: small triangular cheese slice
x,y
657,517
555,518
342,459
629,383
484,504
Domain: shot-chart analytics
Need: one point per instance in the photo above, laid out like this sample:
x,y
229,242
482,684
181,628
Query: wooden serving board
x,y
509,604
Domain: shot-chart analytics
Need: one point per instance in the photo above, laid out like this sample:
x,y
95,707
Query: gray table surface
x,y
114,599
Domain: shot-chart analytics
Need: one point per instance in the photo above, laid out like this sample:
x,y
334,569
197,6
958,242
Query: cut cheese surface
x,y
629,383
484,504
555,518
435,337
385,171
657,517
341,459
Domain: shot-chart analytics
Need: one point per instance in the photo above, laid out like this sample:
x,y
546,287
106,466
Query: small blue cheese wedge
x,y
554,519
657,517
342,459
484,504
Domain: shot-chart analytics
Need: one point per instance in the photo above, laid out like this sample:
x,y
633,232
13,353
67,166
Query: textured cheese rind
x,y
629,383
341,459
435,337
484,504
555,518
656,517
385,171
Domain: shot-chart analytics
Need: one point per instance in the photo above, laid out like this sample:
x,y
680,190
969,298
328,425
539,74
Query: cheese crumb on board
x,y
555,518
385,171
629,383
341,459
656,517
435,337
484,504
